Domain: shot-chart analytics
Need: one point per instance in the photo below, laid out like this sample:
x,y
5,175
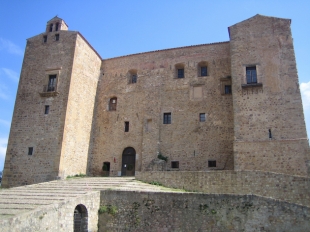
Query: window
x,y
211,163
270,135
45,39
202,117
167,118
57,37
47,109
181,73
30,150
134,78
57,27
203,71
112,104
51,83
179,70
126,126
227,89
174,164
51,27
251,76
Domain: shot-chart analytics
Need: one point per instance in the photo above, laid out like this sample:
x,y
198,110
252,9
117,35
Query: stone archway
x,y
128,161
80,219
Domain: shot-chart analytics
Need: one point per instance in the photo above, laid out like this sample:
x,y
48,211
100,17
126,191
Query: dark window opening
x,y
112,104
204,71
57,27
202,117
134,78
174,164
57,37
106,169
227,89
211,163
47,109
51,87
167,118
30,150
126,126
251,75
51,27
180,72
45,39
270,135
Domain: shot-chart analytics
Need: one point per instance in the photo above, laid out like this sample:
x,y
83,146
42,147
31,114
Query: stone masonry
x,y
232,105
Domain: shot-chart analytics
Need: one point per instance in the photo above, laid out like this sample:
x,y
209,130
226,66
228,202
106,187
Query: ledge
x,y
49,94
252,85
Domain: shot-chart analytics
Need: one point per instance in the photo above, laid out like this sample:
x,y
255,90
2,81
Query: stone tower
x,y
269,126
52,118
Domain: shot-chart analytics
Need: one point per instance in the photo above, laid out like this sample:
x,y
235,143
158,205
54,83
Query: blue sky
x,y
116,28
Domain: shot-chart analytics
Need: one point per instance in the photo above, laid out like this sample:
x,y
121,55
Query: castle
x,y
232,105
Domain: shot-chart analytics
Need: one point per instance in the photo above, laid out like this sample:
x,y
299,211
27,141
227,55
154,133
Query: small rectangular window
x,y
174,164
211,163
47,109
134,78
167,118
126,126
45,39
30,150
202,117
57,37
227,89
181,73
251,75
204,71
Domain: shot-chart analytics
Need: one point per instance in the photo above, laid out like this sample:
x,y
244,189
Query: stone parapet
x,y
293,189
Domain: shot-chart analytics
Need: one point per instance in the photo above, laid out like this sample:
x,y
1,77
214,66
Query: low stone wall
x,y
151,211
293,189
55,217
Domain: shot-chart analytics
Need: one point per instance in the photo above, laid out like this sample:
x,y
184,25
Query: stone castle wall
x,y
147,211
292,189
31,127
55,217
79,112
159,91
275,105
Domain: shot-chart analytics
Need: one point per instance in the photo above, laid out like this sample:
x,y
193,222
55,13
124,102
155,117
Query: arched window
x,y
51,27
112,104
80,219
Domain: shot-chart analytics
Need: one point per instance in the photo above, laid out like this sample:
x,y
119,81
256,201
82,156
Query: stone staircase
x,y
24,199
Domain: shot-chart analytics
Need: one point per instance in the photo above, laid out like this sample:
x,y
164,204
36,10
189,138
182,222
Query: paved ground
x,y
18,200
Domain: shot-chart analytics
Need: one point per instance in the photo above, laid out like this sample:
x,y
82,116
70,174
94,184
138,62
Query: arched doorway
x,y
128,161
80,219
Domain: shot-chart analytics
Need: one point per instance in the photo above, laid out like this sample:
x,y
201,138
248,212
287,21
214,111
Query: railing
x,y
49,91
49,88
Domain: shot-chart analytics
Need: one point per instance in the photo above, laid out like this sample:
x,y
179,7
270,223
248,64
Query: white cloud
x,y
5,122
11,74
3,92
10,47
3,145
305,94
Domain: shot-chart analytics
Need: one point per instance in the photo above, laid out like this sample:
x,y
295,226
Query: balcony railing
x,y
49,91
